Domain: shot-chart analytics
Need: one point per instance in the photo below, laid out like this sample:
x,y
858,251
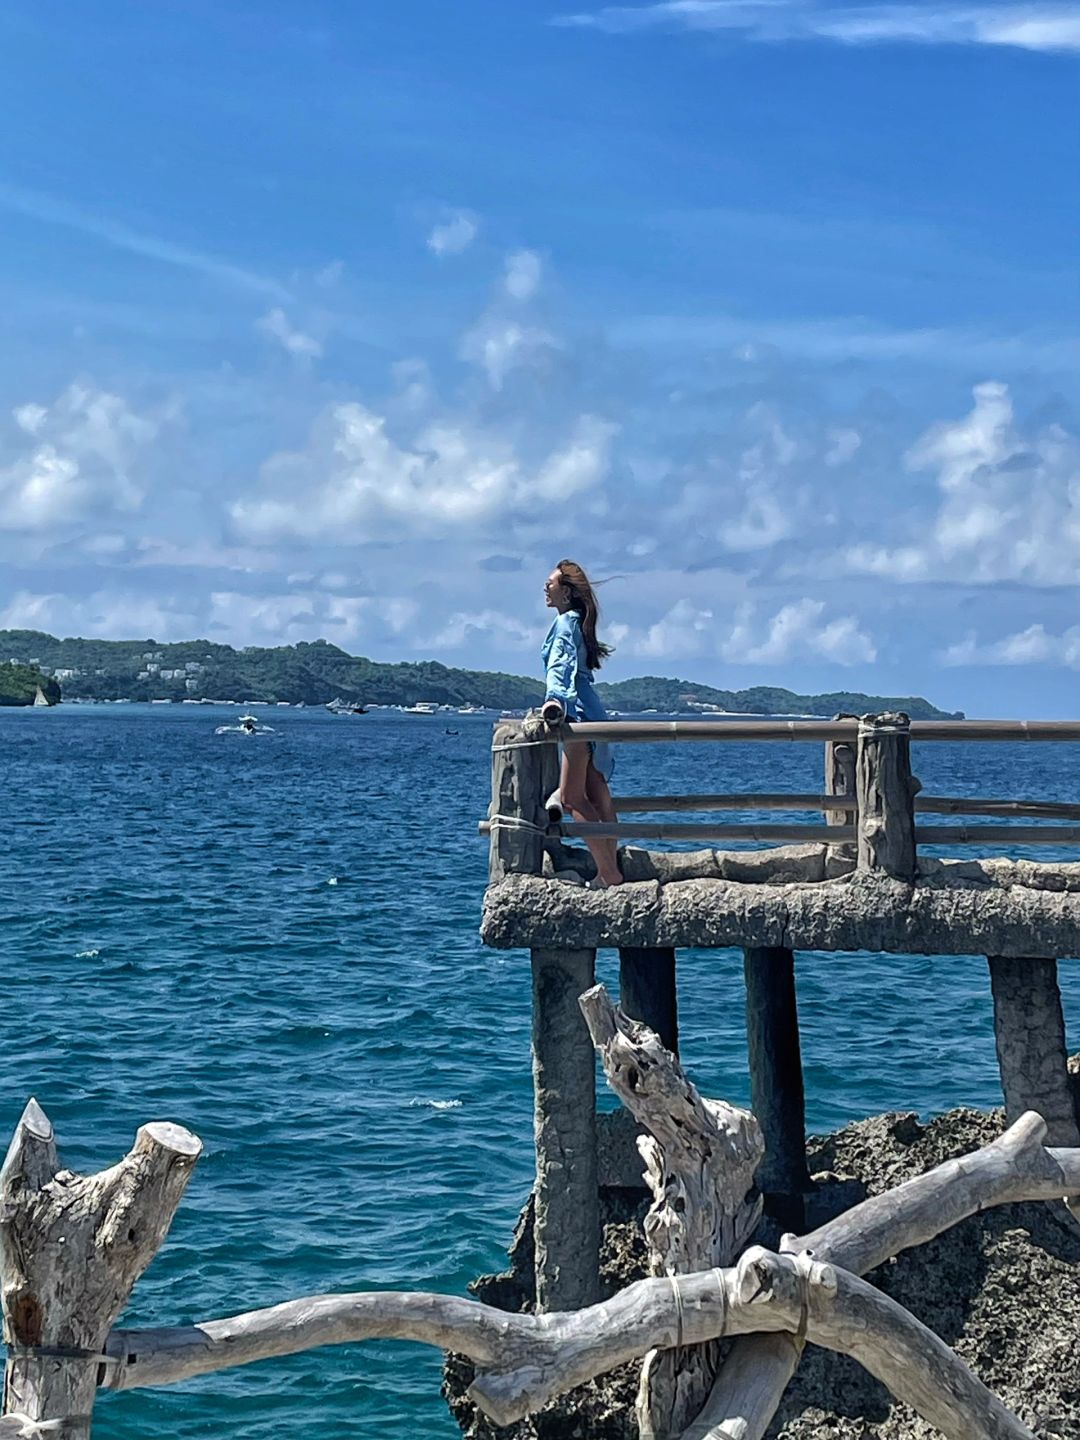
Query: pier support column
x,y
647,991
776,1079
1029,1030
567,1202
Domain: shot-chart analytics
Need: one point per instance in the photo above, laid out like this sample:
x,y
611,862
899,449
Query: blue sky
x,y
350,320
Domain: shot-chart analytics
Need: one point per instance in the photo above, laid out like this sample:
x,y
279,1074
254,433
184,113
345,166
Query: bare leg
x,y
576,766
599,797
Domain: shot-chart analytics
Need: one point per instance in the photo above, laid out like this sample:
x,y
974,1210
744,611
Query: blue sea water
x,y
274,943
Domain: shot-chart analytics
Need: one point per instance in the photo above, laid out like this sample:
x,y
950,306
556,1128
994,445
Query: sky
x,y
351,320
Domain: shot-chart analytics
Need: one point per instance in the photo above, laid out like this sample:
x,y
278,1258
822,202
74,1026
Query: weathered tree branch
x,y
531,1358
700,1157
1013,1168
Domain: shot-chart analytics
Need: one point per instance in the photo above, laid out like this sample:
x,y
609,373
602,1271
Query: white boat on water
x,y
248,725
422,707
470,710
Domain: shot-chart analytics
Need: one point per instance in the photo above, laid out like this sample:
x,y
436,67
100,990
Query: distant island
x,y
315,672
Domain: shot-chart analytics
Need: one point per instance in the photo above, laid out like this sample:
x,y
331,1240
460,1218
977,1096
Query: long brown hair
x,y
583,600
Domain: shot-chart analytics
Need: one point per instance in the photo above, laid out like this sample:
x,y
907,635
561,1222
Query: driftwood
x,y
116,1219
526,1360
1014,1168
700,1157
71,1248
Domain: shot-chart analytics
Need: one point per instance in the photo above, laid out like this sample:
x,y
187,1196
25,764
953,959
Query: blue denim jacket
x,y
569,679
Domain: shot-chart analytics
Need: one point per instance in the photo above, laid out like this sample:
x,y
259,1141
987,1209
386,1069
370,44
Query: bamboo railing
x,y
869,797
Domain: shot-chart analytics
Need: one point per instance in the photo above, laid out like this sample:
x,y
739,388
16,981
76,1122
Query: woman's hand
x,y
553,712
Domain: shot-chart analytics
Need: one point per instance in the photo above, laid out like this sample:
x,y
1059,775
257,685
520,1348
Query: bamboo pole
x,y
828,834
832,803
630,732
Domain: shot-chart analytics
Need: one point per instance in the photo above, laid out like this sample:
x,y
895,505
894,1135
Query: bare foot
x,y
607,882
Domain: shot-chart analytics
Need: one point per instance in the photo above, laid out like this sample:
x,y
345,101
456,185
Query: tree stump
x,y
71,1248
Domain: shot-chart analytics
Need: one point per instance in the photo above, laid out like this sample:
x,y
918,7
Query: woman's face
x,y
555,592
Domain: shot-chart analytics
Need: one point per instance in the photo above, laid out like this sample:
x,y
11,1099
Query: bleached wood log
x,y
1013,1168
71,1248
526,1360
700,1157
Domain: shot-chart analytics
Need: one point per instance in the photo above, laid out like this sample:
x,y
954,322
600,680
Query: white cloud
x,y
524,270
762,523
844,444
30,417
685,630
1027,27
355,482
301,347
454,235
51,211
1033,646
105,615
493,628
500,346
797,631
82,463
1009,503
330,274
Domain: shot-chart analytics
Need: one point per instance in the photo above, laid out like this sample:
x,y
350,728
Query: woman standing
x,y
571,653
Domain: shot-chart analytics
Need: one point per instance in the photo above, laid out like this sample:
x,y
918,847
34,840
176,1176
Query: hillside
x,y
19,685
317,671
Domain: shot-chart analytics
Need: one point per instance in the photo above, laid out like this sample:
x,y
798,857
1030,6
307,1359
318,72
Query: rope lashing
x,y
516,822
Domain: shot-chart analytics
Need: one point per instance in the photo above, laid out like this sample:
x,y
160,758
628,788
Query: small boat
x,y
470,710
422,707
346,707
452,732
248,725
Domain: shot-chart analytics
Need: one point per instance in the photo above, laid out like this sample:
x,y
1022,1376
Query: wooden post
x,y
567,1201
839,774
885,789
776,1078
647,991
1029,1030
71,1249
523,774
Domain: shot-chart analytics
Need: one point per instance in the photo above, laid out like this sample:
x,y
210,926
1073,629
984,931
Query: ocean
x,y
273,941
